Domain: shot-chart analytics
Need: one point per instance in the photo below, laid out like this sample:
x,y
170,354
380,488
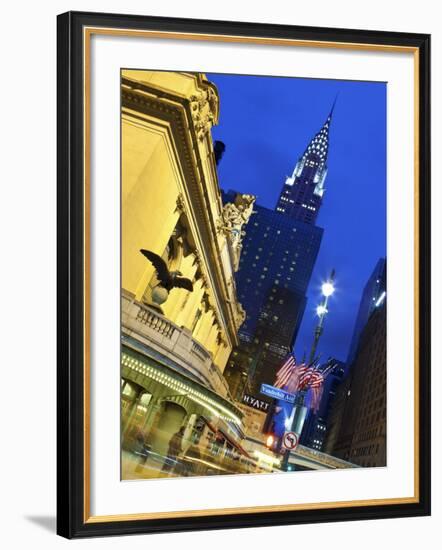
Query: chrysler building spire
x,y
301,195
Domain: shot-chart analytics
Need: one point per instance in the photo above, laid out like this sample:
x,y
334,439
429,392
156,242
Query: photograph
x,y
231,351
253,274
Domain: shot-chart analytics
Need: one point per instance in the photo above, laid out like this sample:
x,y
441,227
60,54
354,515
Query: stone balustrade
x,y
152,329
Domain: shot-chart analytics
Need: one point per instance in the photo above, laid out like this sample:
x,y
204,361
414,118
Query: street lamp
x,y
321,310
327,289
300,410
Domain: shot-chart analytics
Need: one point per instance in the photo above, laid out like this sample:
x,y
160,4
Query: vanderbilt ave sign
x,y
255,402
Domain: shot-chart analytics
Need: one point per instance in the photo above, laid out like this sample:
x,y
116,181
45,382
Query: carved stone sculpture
x,y
234,216
203,107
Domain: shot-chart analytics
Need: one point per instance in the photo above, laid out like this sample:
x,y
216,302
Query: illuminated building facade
x,y
176,342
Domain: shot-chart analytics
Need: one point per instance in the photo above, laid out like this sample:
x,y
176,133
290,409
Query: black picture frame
x,y
72,521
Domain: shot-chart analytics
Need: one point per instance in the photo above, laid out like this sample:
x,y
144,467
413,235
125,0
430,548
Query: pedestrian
x,y
193,463
143,451
137,439
174,450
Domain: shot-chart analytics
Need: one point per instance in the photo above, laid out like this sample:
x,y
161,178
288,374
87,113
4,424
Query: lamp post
x,y
321,311
300,411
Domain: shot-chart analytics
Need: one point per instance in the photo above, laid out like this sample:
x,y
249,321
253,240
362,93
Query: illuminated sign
x,y
255,402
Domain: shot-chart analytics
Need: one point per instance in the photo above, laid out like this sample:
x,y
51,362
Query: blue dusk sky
x,y
266,123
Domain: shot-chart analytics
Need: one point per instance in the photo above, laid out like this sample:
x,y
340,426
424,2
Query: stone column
x,y
154,408
133,409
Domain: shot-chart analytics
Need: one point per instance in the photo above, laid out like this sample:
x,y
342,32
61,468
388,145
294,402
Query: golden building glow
x,y
176,342
171,203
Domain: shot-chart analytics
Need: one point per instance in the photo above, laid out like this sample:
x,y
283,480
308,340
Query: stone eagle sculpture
x,y
167,279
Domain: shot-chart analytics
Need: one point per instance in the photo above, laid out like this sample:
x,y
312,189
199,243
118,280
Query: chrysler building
x,y
301,195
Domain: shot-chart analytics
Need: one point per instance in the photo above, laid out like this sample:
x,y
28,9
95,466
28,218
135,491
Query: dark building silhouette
x,y
316,425
279,252
219,148
357,431
236,374
374,292
335,417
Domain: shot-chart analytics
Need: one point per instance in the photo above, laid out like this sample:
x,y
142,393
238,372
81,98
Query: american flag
x,y
316,386
316,396
289,374
310,376
285,372
293,377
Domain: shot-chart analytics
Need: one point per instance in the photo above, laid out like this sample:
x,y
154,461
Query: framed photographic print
x,y
231,351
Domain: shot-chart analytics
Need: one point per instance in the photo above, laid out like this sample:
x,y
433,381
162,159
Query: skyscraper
x,y
356,428
277,260
279,252
358,433
373,294
302,193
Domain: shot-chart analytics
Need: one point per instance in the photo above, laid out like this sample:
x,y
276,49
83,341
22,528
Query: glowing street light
x,y
327,289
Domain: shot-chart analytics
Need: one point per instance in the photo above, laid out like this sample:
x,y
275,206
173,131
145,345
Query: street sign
x,y
290,441
277,393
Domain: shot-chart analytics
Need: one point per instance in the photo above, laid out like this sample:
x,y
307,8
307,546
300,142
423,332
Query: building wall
x,y
335,418
176,343
161,214
359,430
369,439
